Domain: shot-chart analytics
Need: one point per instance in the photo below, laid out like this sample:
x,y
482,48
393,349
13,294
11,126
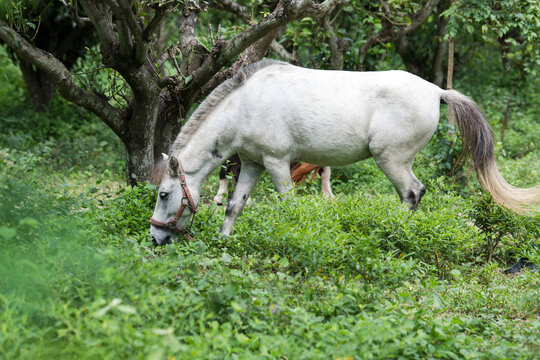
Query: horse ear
x,y
173,166
165,156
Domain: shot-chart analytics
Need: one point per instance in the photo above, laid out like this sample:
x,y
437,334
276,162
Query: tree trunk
x,y
139,161
140,123
442,48
125,44
139,145
507,111
169,122
39,84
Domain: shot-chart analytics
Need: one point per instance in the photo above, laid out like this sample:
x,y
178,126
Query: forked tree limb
x,y
244,15
101,16
124,11
73,11
253,53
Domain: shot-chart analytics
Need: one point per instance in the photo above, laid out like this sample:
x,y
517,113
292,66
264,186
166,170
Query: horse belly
x,y
330,132
328,147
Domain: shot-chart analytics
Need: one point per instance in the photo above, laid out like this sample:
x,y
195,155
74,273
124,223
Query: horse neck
x,y
200,156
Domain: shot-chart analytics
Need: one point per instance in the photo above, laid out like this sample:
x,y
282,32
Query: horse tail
x,y
477,141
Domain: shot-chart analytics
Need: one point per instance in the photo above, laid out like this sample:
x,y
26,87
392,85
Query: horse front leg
x,y
249,175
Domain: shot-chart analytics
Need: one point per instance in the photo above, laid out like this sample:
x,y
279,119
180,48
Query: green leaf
x,y
237,307
33,223
226,258
7,233
242,339
284,262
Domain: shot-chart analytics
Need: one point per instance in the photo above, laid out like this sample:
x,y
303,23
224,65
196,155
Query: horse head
x,y
175,206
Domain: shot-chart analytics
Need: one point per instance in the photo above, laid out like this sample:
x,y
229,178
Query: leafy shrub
x,y
12,91
124,213
25,205
63,137
503,229
364,176
441,155
357,234
88,285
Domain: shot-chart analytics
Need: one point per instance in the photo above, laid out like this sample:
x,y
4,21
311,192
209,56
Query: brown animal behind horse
x,y
299,173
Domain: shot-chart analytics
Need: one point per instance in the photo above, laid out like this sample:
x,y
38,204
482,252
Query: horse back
x,y
329,117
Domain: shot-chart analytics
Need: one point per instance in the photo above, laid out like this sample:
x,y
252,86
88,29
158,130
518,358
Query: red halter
x,y
187,201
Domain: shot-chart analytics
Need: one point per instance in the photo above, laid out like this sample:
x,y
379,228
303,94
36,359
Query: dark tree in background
x,y
151,113
50,27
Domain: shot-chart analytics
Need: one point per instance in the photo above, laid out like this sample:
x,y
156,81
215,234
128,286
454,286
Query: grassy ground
x,y
358,277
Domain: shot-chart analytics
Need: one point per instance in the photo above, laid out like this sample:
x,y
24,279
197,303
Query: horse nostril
x,y
167,240
154,241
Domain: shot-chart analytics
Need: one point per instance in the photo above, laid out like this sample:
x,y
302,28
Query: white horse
x,y
272,113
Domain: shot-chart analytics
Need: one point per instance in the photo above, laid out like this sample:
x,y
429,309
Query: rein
x,y
187,201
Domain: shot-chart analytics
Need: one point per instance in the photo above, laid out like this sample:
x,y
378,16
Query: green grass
x,y
359,277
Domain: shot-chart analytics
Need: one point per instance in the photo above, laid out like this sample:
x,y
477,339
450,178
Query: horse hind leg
x,y
279,171
400,174
326,187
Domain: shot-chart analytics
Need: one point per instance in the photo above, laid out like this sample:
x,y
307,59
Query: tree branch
x,y
233,8
193,52
63,79
390,32
73,12
336,44
224,52
101,17
125,12
253,53
420,16
161,11
280,51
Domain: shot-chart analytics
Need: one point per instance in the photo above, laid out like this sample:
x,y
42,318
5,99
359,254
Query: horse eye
x,y
163,195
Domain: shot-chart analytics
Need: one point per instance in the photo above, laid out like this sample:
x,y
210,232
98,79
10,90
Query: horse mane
x,y
215,97
157,173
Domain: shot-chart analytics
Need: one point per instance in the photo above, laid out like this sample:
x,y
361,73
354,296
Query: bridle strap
x,y
187,201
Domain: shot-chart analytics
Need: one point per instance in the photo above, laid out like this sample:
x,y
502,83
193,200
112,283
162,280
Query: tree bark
x,y
508,111
442,48
337,45
40,85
